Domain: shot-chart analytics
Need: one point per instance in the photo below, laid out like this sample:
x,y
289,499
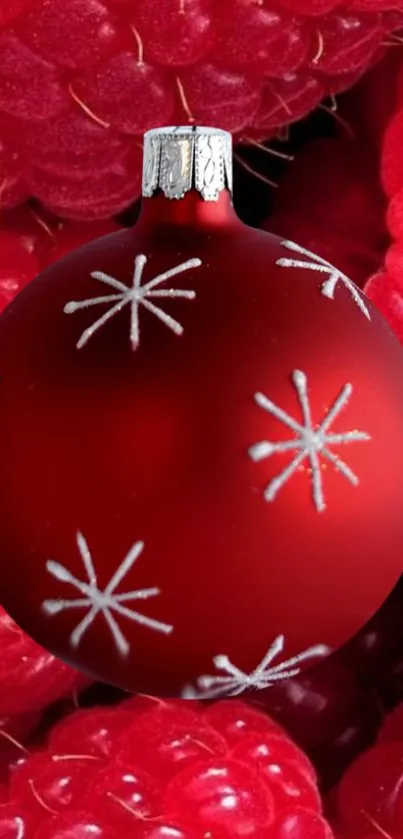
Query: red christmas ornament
x,y
80,80
200,438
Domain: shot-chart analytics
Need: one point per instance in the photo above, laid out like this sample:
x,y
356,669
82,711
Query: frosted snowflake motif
x,y
100,602
310,443
135,295
236,681
323,267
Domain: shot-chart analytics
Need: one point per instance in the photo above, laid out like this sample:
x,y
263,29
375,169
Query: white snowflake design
x,y
136,295
310,443
324,267
236,681
102,602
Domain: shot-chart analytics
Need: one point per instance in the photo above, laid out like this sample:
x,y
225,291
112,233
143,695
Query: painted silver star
x,y
310,442
264,676
135,295
102,602
324,267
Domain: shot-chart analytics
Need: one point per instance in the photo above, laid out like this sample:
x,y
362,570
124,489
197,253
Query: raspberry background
x,y
81,81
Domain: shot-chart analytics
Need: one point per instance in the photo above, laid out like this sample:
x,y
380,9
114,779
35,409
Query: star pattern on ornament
x,y
310,443
335,276
102,602
135,295
236,681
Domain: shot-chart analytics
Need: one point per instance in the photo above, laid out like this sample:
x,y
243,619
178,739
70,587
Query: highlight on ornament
x,y
200,440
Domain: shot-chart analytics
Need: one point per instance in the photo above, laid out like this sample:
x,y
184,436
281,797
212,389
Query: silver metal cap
x,y
181,158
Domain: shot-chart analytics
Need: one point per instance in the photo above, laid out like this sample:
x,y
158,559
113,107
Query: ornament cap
x,y
181,158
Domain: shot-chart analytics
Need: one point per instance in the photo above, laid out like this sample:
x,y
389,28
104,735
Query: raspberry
x,y
75,825
72,144
370,795
30,677
386,293
300,824
392,165
118,83
77,35
152,769
348,42
11,8
29,86
225,97
14,731
17,267
200,792
14,823
279,44
327,713
166,744
176,38
296,93
13,188
330,200
93,731
392,728
114,186
81,81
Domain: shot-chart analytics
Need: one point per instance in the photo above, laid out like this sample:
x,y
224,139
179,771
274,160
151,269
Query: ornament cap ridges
x,y
178,159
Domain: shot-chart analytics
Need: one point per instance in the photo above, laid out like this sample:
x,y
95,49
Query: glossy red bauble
x,y
201,448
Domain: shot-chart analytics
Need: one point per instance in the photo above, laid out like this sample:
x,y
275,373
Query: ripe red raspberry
x,y
30,678
331,202
17,267
387,294
14,732
81,81
370,794
149,769
333,711
327,713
